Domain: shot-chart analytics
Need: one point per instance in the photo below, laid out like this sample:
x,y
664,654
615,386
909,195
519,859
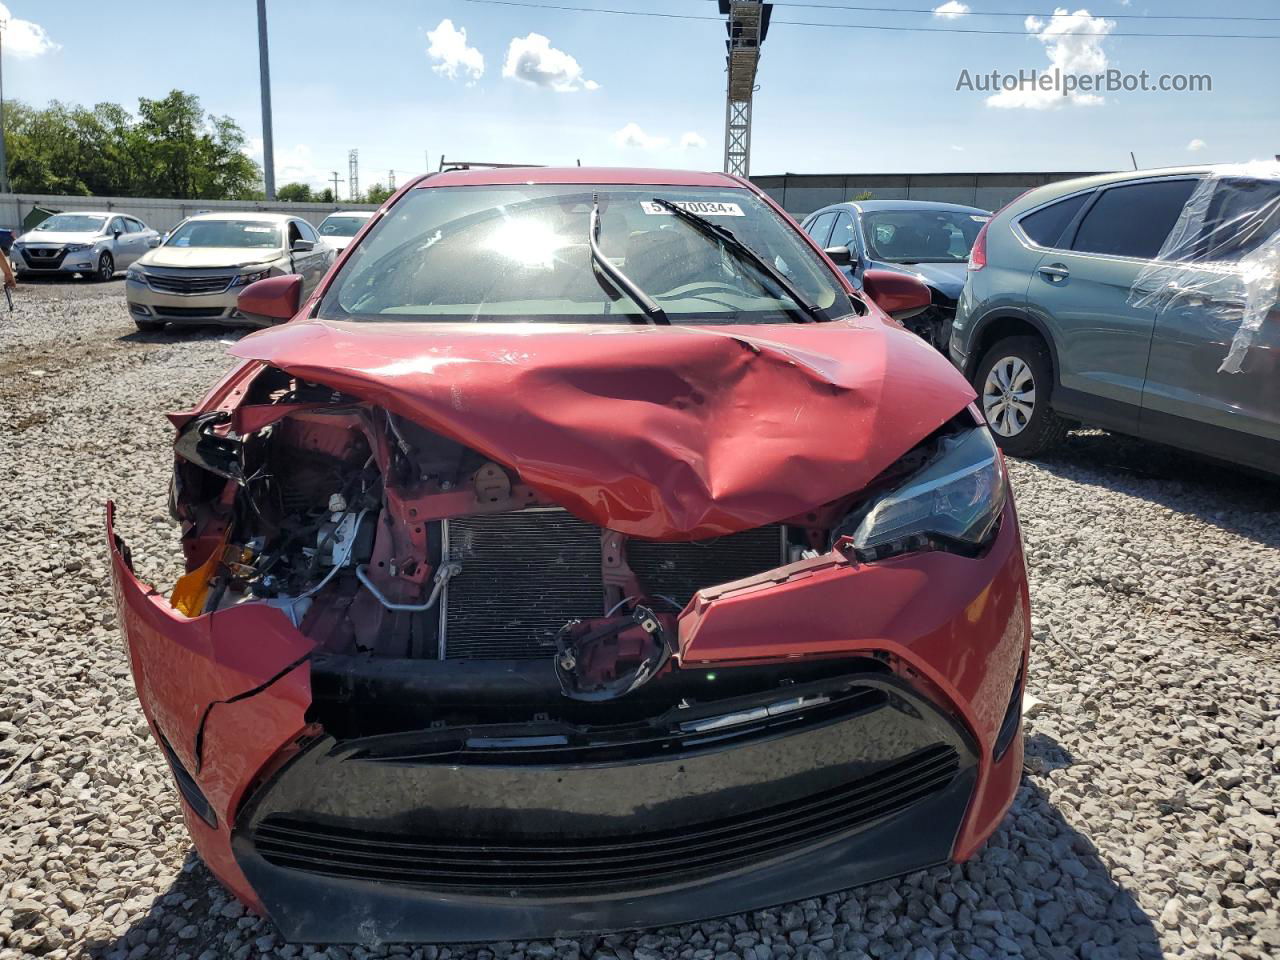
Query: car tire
x,y
1014,382
148,326
106,269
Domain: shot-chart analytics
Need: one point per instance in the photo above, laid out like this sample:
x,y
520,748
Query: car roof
x,y
88,213
874,206
245,215
605,175
350,213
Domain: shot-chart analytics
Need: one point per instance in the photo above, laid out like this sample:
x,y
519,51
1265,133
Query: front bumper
x,y
146,303
411,836
56,260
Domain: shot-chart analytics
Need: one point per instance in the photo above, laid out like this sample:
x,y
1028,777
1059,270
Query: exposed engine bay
x,y
380,539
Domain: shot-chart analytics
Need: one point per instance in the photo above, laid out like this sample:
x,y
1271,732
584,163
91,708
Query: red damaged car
x,y
584,554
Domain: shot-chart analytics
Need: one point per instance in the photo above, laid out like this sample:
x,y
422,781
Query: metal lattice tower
x,y
747,26
353,174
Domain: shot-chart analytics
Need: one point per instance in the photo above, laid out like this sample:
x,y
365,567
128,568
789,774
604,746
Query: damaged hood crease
x,y
673,433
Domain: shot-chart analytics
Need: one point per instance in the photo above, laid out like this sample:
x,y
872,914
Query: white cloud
x,y
1073,43
448,47
534,61
295,164
951,10
957,148
1196,144
633,137
690,140
24,39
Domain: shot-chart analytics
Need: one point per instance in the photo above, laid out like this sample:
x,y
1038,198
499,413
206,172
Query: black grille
x,y
524,574
518,864
44,258
679,570
189,286
194,313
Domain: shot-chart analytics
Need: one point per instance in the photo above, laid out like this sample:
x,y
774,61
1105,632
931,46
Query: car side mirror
x,y
841,256
303,246
116,233
271,299
154,242
899,295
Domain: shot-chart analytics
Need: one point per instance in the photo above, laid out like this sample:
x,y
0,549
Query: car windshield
x,y
921,236
521,252
226,233
342,226
71,223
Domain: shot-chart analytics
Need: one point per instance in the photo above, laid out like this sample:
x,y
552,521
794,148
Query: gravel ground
x,y
1146,825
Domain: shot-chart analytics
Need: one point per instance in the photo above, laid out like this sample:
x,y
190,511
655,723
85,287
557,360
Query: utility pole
x,y
336,180
353,174
4,159
264,76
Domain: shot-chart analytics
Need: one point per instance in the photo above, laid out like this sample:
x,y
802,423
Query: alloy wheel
x,y
106,267
1009,396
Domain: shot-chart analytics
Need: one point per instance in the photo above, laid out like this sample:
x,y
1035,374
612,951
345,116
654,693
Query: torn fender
x,y
680,432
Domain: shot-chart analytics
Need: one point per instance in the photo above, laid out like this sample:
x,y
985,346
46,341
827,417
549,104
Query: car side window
x,y
842,233
1242,215
1133,220
294,233
308,232
117,224
820,229
1044,227
132,226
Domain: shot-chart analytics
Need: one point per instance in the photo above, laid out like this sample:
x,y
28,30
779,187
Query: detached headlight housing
x,y
77,247
954,502
245,279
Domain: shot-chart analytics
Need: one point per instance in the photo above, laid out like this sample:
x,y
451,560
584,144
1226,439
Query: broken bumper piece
x,y
470,835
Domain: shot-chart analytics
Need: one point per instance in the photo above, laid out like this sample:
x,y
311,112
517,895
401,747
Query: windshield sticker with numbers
x,y
703,208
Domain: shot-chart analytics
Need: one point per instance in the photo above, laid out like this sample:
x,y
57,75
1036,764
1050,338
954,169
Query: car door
x,y
133,240
1081,292
118,242
310,263
844,234
1189,399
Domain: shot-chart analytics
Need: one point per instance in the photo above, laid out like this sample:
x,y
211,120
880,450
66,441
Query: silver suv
x,y
1142,302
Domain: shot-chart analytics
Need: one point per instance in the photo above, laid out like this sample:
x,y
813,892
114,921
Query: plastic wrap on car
x,y
1195,264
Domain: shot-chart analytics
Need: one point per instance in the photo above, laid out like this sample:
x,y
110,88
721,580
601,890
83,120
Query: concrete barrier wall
x,y
161,214
802,193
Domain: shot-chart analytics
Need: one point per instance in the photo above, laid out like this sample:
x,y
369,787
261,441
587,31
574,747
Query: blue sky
x,y
650,92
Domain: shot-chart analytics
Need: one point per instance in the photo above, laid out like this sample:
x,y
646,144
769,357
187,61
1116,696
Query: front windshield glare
x,y
921,236
521,252
71,223
341,226
226,233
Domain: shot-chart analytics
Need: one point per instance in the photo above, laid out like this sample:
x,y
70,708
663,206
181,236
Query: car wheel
x,y
1014,381
148,326
106,268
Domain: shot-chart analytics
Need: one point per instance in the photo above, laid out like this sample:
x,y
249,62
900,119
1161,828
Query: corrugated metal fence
x,y
160,214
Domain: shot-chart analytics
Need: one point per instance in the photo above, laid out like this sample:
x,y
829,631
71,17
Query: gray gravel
x,y
1146,825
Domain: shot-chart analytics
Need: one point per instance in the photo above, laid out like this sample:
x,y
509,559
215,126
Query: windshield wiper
x,y
727,237
620,280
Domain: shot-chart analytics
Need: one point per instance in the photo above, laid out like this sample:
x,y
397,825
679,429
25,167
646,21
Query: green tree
x,y
171,148
295,193
863,195
324,196
377,193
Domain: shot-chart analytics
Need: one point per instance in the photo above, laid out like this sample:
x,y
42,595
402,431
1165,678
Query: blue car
x,y
930,241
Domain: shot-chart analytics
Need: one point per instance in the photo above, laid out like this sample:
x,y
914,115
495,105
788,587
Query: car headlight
x,y
136,275
955,500
77,247
247,278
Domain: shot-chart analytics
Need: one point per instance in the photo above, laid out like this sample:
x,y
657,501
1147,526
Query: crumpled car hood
x,y
676,432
